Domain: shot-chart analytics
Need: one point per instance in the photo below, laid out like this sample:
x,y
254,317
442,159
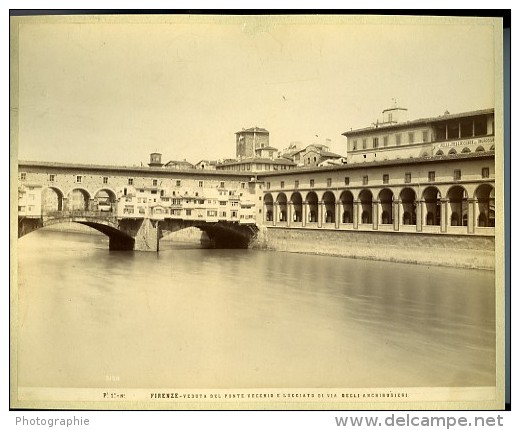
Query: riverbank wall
x,y
474,252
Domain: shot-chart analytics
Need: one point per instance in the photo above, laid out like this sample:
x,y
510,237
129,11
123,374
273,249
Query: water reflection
x,y
191,317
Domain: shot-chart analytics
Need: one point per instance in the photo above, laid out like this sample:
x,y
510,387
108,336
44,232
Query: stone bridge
x,y
142,234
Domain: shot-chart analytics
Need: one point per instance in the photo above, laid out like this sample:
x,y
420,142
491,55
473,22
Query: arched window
x,y
466,150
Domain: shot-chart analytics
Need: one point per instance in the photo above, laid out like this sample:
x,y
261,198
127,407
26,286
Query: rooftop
x,y
440,118
253,130
260,160
395,162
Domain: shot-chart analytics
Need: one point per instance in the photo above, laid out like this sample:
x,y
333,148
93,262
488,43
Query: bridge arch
x,y
432,202
386,198
347,205
52,199
110,191
407,197
365,199
329,203
118,239
78,199
312,201
458,205
485,199
297,202
268,206
281,201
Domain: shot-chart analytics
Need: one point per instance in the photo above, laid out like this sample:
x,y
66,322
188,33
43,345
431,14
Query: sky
x,y
109,92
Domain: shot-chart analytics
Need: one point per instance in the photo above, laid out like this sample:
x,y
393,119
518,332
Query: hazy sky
x,y
112,93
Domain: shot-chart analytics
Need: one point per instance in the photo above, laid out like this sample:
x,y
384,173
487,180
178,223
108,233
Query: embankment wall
x,y
477,252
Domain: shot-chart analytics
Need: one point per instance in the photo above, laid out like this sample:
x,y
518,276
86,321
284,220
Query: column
x,y
444,209
375,214
290,210
396,216
275,212
305,210
320,214
337,215
419,214
472,215
460,133
446,131
64,204
90,205
355,215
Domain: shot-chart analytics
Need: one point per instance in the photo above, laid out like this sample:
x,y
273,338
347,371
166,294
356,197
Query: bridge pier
x,y
145,233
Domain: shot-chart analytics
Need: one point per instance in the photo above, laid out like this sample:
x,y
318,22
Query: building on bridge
x,y
135,192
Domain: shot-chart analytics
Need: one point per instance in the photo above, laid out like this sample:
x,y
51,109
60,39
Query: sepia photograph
x,y
256,212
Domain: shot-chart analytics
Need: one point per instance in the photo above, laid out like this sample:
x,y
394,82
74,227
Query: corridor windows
x,y
364,144
79,179
354,145
178,183
398,139
425,136
457,175
105,179
154,182
347,180
365,180
485,172
431,176
411,137
386,179
130,181
268,185
282,184
375,142
222,185
296,184
385,141
23,176
201,184
329,182
52,178
407,178
312,183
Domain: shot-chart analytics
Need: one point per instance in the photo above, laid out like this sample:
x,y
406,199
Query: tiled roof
x,y
272,148
259,160
396,162
330,154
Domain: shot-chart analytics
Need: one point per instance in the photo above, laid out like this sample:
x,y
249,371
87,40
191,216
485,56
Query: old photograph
x,y
256,212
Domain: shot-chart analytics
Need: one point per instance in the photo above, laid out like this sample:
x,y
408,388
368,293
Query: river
x,y
203,318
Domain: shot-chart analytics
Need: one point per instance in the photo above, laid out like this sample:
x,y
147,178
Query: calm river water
x,y
191,317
